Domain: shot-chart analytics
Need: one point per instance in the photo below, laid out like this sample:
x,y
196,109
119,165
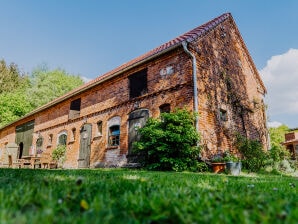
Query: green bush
x,y
58,154
254,157
279,153
278,161
169,143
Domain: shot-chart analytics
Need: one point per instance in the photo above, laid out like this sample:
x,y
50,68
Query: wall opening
x,y
75,108
138,84
165,108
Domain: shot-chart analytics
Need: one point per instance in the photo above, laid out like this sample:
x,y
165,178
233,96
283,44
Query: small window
x,y
62,140
138,84
99,129
223,115
50,138
75,108
114,135
165,108
39,143
73,134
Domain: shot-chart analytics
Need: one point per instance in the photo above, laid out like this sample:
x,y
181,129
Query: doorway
x,y
20,151
85,146
137,119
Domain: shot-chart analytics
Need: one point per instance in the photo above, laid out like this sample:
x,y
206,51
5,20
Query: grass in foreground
x,y
122,196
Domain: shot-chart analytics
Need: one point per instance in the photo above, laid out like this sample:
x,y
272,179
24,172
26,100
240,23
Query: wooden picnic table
x,y
30,161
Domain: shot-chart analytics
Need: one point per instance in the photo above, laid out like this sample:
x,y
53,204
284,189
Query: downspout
x,y
195,88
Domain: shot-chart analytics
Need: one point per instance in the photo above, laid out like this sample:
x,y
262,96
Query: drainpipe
x,y
195,89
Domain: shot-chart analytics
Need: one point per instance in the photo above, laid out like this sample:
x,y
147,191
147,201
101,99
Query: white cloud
x,y
85,79
280,76
274,124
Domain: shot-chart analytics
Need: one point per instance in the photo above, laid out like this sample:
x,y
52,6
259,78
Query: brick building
x,y
291,143
207,69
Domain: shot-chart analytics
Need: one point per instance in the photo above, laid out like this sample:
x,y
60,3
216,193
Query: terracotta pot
x,y
218,167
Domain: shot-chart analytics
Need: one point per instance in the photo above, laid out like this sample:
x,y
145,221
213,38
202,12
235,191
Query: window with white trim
x,y
114,131
114,135
62,138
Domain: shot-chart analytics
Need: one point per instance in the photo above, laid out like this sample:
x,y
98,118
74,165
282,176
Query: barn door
x,y
24,135
136,119
85,146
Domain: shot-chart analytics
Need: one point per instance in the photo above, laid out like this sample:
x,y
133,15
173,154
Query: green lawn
x,y
125,196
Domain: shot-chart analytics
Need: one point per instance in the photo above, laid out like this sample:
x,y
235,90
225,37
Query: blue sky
x,y
91,37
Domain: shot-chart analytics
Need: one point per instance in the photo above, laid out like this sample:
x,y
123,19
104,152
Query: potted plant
x,y
58,155
233,164
39,152
218,164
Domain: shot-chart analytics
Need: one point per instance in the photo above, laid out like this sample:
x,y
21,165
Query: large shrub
x,y
253,154
58,155
169,143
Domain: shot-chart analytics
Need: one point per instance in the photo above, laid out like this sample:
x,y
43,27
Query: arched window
x,y
114,131
62,138
114,135
39,143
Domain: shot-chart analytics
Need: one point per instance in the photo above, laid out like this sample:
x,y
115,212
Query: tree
x,y
20,94
13,84
47,85
169,143
277,136
10,77
13,105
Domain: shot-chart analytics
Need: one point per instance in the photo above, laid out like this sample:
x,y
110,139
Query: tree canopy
x,y
277,136
10,77
46,85
20,94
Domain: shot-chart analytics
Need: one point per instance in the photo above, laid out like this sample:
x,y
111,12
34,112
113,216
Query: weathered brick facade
x,y
230,97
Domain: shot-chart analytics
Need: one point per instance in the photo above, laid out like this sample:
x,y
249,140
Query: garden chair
x,y
26,163
18,163
37,163
53,165
47,162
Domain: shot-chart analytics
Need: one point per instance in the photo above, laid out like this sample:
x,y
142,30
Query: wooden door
x,y
85,146
137,119
24,134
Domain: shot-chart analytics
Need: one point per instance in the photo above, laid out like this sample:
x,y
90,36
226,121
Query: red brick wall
x,y
227,81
